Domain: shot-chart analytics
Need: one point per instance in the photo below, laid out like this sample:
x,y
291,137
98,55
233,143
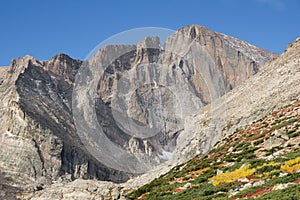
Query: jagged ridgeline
x,y
39,141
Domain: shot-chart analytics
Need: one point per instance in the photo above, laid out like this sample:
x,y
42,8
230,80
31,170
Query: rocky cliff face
x,y
38,133
164,85
195,62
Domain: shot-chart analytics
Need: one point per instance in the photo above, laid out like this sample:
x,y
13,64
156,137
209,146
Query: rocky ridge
x,y
2,74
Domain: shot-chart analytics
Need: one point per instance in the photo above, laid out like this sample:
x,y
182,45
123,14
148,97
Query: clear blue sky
x,y
45,28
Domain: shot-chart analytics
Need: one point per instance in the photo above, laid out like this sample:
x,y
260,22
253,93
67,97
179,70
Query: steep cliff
x,y
151,89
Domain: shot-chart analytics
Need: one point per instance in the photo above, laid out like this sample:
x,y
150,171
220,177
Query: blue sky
x,y
45,28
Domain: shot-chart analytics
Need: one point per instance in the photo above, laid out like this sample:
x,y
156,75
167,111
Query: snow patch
x,y
8,134
249,50
165,155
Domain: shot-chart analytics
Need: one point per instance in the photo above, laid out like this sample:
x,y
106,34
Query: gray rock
x,y
273,142
187,185
258,183
247,185
244,180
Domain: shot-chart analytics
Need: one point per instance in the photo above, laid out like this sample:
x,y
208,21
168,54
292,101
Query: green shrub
x,y
257,142
208,192
272,174
286,179
267,169
295,134
279,126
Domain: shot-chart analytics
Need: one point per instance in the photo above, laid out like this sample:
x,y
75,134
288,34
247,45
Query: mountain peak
x,y
149,42
61,57
194,30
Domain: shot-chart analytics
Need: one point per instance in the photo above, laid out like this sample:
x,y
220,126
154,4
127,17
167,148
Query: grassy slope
x,y
261,161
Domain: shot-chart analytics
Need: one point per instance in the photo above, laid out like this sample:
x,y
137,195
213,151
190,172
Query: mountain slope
x,y
261,160
274,86
251,160
38,135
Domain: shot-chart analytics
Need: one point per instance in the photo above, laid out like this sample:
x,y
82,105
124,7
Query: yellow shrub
x,y
272,163
291,166
200,171
293,161
229,177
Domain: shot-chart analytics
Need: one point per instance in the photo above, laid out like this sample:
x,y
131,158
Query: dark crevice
x,y
40,155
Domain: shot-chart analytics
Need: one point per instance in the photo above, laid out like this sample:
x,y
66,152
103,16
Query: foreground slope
x,y
261,160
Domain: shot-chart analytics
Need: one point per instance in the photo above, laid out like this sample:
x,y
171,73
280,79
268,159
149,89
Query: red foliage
x,y
179,189
258,192
297,180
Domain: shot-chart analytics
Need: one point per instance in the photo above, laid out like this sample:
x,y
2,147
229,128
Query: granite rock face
x,y
164,85
194,67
